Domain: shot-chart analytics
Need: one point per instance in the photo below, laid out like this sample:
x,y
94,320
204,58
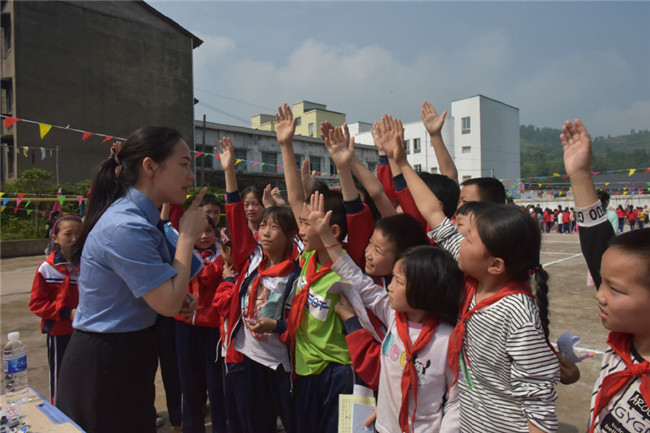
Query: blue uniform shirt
x,y
124,257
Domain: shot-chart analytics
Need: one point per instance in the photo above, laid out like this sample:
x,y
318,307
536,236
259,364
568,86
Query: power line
x,y
234,99
225,113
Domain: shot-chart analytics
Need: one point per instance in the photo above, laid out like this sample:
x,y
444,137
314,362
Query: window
x,y
417,167
270,160
332,167
407,146
7,96
299,159
298,121
311,129
466,149
6,33
314,163
243,155
434,170
465,125
416,145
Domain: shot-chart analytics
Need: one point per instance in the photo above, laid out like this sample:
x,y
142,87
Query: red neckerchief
x,y
300,299
64,290
613,383
458,334
410,374
280,270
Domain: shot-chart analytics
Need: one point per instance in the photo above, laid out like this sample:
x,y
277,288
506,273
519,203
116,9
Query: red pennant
x,y
15,210
647,170
197,154
279,168
10,121
86,135
42,213
106,139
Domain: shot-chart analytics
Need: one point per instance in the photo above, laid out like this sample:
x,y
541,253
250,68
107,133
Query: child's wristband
x,y
591,216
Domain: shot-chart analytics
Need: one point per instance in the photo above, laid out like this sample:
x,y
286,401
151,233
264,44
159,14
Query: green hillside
x,y
541,151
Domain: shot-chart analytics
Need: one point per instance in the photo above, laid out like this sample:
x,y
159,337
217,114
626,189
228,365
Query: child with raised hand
x,y
197,339
433,124
258,363
315,333
420,308
621,273
54,293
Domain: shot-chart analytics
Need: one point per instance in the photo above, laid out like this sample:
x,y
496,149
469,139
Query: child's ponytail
x,y
541,296
120,171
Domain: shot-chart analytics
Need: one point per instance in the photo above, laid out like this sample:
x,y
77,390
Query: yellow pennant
x,y
45,128
556,174
632,170
1,194
238,161
606,183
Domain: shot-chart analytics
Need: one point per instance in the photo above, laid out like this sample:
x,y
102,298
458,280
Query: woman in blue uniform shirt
x,y
127,277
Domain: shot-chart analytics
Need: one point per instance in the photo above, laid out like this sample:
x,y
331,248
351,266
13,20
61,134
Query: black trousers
x,y
106,382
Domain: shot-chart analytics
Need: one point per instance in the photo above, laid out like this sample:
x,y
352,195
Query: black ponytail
x,y
120,171
541,297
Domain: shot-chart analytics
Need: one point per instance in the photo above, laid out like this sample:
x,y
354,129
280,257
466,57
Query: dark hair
x,y
433,281
637,243
513,236
472,208
70,217
211,199
489,189
320,186
446,189
282,216
252,189
333,201
211,223
155,142
403,231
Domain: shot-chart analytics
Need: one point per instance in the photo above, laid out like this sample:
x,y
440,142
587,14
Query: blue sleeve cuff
x,y
65,312
281,327
352,324
383,160
353,206
232,197
229,279
400,182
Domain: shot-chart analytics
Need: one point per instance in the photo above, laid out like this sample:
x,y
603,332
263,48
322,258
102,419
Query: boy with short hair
x,y
622,391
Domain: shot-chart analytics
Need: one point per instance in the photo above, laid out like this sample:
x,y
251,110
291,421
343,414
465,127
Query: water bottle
x,y
14,359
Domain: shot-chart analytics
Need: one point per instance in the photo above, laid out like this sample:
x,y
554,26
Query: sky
x,y
555,61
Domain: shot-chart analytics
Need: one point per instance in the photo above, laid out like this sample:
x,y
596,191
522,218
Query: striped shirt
x,y
511,370
447,237
626,412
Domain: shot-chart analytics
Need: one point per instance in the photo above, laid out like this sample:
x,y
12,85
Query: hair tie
x,y
114,151
535,270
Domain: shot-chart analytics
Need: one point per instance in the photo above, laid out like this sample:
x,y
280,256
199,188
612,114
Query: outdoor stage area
x,y
572,304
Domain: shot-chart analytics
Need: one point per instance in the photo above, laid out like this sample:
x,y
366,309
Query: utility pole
x,y
202,156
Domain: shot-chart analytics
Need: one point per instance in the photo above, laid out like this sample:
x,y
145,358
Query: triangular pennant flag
x,y
278,167
42,213
28,202
58,191
25,150
255,163
80,199
1,194
606,183
29,211
45,128
106,139
20,198
540,185
86,136
2,208
595,173
238,161
556,174
15,210
632,170
216,156
61,199
10,121
647,170
197,155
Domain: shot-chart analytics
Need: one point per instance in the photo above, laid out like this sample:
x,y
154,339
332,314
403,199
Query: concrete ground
x,y
572,304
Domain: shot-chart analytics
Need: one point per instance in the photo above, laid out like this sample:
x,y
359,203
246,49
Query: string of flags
x,y
513,185
21,197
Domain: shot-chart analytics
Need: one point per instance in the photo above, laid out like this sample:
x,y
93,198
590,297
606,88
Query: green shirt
x,y
319,338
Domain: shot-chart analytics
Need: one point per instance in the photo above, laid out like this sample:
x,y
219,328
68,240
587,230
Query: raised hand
x,y
285,125
341,149
578,153
317,218
308,178
227,154
193,221
267,198
277,197
393,144
432,122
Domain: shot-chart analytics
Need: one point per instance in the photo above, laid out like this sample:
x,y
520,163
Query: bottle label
x,y
16,365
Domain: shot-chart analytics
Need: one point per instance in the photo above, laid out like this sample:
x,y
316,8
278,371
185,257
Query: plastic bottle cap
x,y
14,336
